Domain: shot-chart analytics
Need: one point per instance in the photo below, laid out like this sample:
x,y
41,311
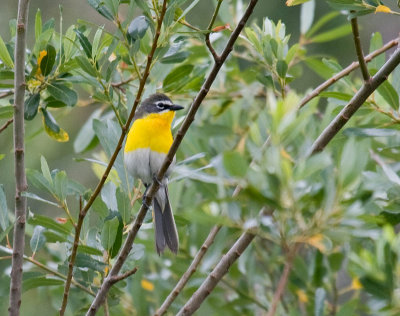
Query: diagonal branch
x,y
207,35
360,55
168,160
19,148
114,156
216,275
353,66
355,103
5,125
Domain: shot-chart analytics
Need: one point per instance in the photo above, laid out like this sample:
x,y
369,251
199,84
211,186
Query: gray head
x,y
156,103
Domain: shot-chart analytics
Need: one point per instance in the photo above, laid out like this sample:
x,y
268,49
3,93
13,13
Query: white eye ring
x,y
161,106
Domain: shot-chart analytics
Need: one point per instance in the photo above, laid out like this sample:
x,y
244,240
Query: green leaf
x,y
3,210
319,302
392,218
333,34
6,231
38,180
138,27
177,78
32,283
38,198
38,24
96,42
4,55
124,206
235,163
291,3
6,112
100,7
85,261
87,47
109,233
375,287
86,65
321,22
45,170
51,102
306,16
50,122
89,250
47,62
61,92
60,184
281,68
69,40
31,106
370,132
6,75
376,43
390,95
175,58
86,133
100,207
50,223
38,240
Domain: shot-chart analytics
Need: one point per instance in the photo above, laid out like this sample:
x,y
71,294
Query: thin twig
x,y
216,275
106,285
354,65
19,148
360,55
189,272
5,125
207,35
117,278
125,128
6,94
355,103
283,280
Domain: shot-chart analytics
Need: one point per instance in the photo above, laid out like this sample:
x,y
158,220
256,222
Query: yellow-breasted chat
x,y
148,142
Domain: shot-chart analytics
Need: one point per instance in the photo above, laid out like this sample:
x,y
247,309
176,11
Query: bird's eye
x,y
161,106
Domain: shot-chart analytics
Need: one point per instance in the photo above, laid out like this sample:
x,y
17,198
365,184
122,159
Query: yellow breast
x,y
152,131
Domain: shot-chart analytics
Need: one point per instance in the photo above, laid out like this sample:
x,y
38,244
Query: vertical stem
x,y
360,55
20,177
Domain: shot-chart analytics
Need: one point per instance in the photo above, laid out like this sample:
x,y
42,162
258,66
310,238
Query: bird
x,y
148,142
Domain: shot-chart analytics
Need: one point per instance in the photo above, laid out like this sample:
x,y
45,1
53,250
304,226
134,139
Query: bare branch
x,y
216,275
168,160
6,94
207,35
360,55
355,103
5,125
345,72
123,276
283,280
189,272
19,149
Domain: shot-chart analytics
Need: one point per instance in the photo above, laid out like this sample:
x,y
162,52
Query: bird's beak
x,y
176,107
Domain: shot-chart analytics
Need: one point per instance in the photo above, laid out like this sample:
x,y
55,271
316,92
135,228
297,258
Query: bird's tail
x,y
164,223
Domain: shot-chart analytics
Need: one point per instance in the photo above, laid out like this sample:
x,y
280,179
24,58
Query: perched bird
x,y
148,142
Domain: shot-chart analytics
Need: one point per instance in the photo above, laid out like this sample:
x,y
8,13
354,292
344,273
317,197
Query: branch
x,y
19,148
360,55
6,94
125,128
6,125
346,71
207,35
216,275
283,280
355,103
189,272
117,278
168,160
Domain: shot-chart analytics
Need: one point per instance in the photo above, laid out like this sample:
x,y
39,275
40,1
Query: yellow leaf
x,y
302,296
42,54
291,3
33,84
317,242
382,8
356,284
147,285
62,136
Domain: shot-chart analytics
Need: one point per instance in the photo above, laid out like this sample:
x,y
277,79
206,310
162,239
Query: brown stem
x,y
106,285
189,272
19,149
216,275
207,35
345,72
117,278
283,280
5,125
360,55
355,103
6,94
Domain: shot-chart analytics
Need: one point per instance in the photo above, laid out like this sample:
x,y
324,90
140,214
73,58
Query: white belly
x,y
144,164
